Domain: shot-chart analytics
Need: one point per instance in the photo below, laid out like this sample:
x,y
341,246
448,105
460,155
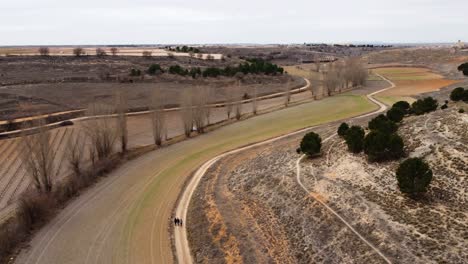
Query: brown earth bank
x,y
249,208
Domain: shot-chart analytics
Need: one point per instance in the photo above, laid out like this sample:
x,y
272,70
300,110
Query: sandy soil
x,y
251,207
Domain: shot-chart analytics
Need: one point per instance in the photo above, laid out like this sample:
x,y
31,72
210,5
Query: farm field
x,y
137,230
410,82
122,51
250,208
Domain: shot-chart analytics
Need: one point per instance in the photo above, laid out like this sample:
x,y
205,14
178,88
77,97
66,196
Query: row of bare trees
x,y
343,74
109,126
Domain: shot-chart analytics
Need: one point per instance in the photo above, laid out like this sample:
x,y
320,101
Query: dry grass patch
x,y
412,81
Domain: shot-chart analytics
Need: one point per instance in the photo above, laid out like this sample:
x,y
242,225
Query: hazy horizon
x,y
145,22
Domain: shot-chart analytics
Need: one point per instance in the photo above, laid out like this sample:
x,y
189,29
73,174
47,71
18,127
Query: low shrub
x,y
355,139
342,129
380,146
311,144
395,114
403,105
461,110
444,106
135,72
413,176
154,69
383,124
457,94
35,208
423,106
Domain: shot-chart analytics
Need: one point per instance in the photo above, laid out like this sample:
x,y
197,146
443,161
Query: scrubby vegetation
x,y
343,129
395,114
253,66
414,176
185,49
383,123
464,68
135,72
403,105
355,139
311,144
155,69
422,106
380,146
459,94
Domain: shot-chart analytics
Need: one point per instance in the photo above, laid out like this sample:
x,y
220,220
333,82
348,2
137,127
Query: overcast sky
x,y
41,22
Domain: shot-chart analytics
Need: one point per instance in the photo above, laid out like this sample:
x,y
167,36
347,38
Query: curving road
x,y
182,246
125,217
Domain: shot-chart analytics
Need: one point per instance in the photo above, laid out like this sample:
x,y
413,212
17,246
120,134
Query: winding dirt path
x,y
182,247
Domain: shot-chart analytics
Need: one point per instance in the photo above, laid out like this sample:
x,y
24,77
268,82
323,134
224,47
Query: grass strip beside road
x,y
177,165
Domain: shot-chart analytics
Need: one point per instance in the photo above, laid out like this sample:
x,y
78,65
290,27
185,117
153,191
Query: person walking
x,y
180,222
176,221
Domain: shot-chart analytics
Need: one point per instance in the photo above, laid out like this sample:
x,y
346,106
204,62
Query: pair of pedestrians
x,y
178,221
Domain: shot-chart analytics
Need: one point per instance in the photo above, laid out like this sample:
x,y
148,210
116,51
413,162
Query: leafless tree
x,y
122,108
210,57
209,96
75,151
78,51
147,54
38,156
158,115
114,51
238,100
170,55
287,93
331,80
199,55
199,99
44,51
311,85
186,111
355,72
100,130
318,63
100,52
254,101
230,97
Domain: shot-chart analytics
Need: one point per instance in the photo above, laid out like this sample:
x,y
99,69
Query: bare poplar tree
x,y
318,63
199,109
331,80
158,116
100,52
186,111
238,100
78,52
75,150
230,97
209,97
44,51
287,93
254,101
122,108
100,130
114,51
311,86
38,156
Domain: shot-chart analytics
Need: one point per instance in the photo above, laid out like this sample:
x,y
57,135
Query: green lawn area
x,y
390,100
